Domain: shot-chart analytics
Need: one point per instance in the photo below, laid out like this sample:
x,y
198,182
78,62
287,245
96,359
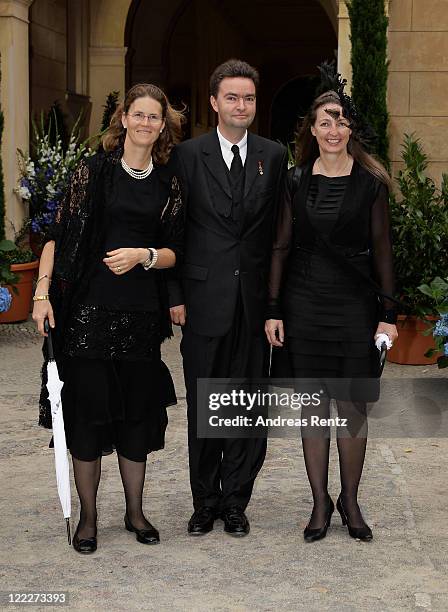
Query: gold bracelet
x,y
38,298
42,277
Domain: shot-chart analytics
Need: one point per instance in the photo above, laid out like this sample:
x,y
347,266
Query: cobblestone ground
x,y
403,498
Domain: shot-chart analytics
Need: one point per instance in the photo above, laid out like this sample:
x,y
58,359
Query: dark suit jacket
x,y
220,255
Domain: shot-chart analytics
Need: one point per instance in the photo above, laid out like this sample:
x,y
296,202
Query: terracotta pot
x,y
21,301
411,346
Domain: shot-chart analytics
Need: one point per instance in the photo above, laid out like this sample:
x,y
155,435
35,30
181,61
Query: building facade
x,y
77,51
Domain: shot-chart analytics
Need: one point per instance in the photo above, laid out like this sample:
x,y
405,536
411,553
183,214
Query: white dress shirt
x,y
226,148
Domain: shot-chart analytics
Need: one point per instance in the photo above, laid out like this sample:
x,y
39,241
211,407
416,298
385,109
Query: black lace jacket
x,y
78,233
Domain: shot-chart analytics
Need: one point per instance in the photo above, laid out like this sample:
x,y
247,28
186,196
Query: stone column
x,y
107,54
106,74
15,101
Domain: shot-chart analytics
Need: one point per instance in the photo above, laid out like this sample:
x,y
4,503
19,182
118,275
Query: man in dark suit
x,y
230,181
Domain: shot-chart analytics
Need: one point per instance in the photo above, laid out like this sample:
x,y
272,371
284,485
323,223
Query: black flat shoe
x,y
312,535
85,546
201,521
235,521
359,533
144,536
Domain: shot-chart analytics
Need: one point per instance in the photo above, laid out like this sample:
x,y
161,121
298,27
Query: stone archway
x,y
134,40
177,43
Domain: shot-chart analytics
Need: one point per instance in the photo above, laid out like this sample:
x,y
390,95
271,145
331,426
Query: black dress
x,y
116,388
330,318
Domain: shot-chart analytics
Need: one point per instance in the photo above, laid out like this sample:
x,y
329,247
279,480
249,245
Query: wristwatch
x,y
152,259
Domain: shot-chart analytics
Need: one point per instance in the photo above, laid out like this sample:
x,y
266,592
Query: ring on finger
x,y
118,269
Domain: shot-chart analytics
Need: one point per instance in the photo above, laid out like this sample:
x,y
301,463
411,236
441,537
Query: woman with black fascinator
x,y
331,290
118,228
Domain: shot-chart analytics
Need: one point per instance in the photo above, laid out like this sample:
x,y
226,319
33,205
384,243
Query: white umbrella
x,y
54,386
383,344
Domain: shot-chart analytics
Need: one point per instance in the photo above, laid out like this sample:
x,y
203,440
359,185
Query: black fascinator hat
x,y
331,80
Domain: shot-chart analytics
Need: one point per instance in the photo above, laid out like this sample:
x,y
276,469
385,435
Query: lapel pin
x,y
260,167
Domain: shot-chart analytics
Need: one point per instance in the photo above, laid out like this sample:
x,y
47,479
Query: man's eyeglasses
x,y
140,117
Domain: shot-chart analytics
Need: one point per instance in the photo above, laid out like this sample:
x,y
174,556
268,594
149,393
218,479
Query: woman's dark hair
x,y
233,68
171,135
307,149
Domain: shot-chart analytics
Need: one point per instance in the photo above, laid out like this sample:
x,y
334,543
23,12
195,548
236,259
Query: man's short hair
x,y
233,68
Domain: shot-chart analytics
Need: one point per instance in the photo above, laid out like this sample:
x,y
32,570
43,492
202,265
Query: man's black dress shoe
x,y
85,546
202,521
144,536
312,535
235,521
359,533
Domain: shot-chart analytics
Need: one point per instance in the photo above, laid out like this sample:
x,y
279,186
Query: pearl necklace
x,y
137,174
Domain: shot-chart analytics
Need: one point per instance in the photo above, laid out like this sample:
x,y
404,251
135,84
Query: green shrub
x,y
419,215
368,25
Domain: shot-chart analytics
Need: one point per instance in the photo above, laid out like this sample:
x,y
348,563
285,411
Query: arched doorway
x,y
177,44
290,104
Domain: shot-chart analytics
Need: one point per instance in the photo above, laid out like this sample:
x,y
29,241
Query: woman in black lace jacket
x,y
102,287
332,249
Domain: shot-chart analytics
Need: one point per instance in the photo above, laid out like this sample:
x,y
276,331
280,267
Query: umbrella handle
x,y
383,356
47,330
69,535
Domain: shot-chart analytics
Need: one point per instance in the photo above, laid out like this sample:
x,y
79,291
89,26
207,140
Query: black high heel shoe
x,y
312,535
144,536
85,546
359,533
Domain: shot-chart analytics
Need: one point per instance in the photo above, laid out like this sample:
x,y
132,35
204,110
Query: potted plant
x,y
19,267
6,276
419,219
44,174
437,291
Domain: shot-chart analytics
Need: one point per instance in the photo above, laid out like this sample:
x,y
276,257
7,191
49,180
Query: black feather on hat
x,y
331,80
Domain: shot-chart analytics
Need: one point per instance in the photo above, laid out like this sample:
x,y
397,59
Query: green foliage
x,y
55,125
368,22
6,276
19,256
109,109
437,290
419,218
2,188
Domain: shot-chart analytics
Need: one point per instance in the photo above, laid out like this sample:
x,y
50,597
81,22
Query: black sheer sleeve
x,y
280,248
381,241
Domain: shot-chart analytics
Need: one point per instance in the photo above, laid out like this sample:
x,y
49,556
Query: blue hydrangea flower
x,y
445,346
35,226
441,327
5,299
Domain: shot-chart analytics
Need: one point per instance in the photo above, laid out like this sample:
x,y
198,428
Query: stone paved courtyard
x,y
403,498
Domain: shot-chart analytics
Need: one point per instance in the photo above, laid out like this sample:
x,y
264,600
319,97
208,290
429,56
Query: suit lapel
x,y
254,160
212,156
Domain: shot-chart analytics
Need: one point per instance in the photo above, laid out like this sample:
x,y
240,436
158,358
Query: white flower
x,y
24,193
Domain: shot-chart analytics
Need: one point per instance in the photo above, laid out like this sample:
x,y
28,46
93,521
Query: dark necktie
x,y
237,165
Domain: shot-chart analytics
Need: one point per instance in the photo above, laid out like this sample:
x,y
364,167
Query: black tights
x,y
87,478
351,449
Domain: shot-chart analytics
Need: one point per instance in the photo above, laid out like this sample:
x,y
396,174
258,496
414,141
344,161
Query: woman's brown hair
x,y
171,135
307,149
